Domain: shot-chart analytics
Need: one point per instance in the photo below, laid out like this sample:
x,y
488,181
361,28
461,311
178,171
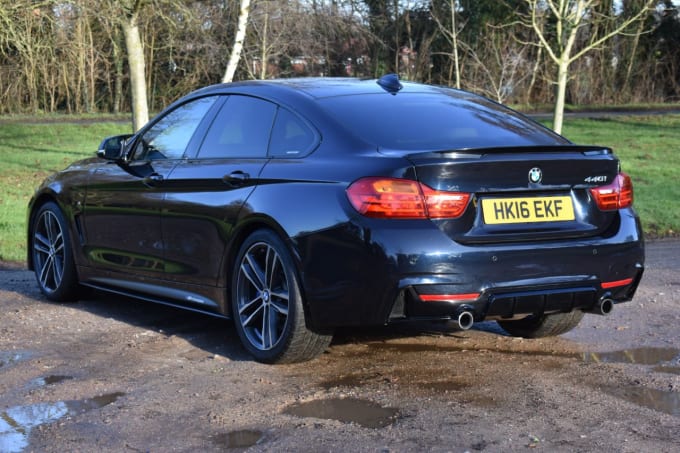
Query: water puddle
x,y
347,410
666,402
640,356
50,380
17,422
244,438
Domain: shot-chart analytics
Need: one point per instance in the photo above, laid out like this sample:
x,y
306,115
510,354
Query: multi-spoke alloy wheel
x,y
267,305
52,259
263,296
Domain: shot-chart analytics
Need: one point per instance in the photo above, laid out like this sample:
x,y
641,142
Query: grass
x,y
32,148
28,153
648,148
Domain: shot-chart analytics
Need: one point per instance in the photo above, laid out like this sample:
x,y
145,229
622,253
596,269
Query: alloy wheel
x,y
262,296
49,251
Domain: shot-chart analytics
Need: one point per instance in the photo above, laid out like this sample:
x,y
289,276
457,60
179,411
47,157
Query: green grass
x,y
648,147
28,153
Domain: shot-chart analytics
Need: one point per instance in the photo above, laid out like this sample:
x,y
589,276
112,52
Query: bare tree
x,y
450,31
499,64
238,42
570,17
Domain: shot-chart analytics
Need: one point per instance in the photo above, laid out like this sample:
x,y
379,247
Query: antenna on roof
x,y
390,83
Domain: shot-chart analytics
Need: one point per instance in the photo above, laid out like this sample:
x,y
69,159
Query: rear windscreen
x,y
431,121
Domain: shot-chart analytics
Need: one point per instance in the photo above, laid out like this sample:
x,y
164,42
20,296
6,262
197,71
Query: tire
x,y
543,326
267,304
52,254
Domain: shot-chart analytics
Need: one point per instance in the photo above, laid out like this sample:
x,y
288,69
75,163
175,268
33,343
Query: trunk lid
x,y
520,194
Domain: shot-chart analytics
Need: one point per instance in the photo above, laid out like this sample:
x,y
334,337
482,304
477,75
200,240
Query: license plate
x,y
527,210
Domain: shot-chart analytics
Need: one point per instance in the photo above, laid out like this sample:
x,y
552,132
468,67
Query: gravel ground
x,y
114,374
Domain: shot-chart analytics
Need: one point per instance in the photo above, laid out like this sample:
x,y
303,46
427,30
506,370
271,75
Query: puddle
x,y
244,438
16,423
641,356
347,410
50,380
666,402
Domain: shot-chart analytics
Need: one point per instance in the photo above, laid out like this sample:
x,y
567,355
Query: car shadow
x,y
217,336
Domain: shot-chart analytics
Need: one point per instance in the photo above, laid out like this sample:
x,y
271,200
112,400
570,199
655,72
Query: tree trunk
x,y
454,37
238,42
562,78
133,43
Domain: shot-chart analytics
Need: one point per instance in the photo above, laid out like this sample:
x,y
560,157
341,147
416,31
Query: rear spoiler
x,y
476,153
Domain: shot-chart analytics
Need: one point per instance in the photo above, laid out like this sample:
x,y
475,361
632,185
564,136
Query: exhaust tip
x,y
465,320
602,307
606,306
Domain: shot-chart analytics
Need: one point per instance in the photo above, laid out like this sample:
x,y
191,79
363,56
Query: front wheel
x,y
53,263
544,325
267,304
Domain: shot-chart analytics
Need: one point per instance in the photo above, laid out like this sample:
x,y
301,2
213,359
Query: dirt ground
x,y
114,374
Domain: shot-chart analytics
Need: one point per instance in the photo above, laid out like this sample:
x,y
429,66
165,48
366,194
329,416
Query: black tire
x,y
543,326
53,263
267,305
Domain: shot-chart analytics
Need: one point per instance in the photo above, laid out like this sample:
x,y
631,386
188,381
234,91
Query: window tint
x,y
420,121
241,129
168,138
291,137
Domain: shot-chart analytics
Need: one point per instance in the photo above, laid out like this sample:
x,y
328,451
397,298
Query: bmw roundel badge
x,y
535,175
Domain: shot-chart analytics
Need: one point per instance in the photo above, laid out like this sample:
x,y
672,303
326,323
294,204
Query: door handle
x,y
236,178
153,179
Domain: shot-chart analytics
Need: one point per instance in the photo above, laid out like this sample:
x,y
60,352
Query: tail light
x,y
617,195
404,199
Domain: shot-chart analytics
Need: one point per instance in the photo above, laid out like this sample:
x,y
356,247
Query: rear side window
x,y
241,129
429,122
291,136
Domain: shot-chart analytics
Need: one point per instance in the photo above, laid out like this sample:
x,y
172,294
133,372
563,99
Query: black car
x,y
298,206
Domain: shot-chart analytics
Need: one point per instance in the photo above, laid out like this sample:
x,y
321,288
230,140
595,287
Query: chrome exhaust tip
x,y
464,319
602,307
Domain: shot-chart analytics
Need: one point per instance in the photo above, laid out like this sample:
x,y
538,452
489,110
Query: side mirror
x,y
111,148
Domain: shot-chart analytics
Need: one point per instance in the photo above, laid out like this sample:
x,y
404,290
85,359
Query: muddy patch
x,y
52,379
240,439
346,410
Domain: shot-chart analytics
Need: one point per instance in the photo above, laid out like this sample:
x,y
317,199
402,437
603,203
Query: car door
x,y
121,213
207,192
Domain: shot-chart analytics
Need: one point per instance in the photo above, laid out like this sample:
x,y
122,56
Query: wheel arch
x,y
241,233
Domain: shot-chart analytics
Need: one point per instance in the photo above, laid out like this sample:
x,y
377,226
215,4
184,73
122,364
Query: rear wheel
x,y
543,326
267,304
53,264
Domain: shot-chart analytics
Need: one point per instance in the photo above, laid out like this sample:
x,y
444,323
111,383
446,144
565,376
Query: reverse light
x,y
404,199
617,195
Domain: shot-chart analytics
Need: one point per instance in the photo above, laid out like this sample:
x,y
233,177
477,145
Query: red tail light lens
x,y
404,199
617,195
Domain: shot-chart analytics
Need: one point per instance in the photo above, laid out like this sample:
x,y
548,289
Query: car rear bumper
x,y
434,303
410,273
